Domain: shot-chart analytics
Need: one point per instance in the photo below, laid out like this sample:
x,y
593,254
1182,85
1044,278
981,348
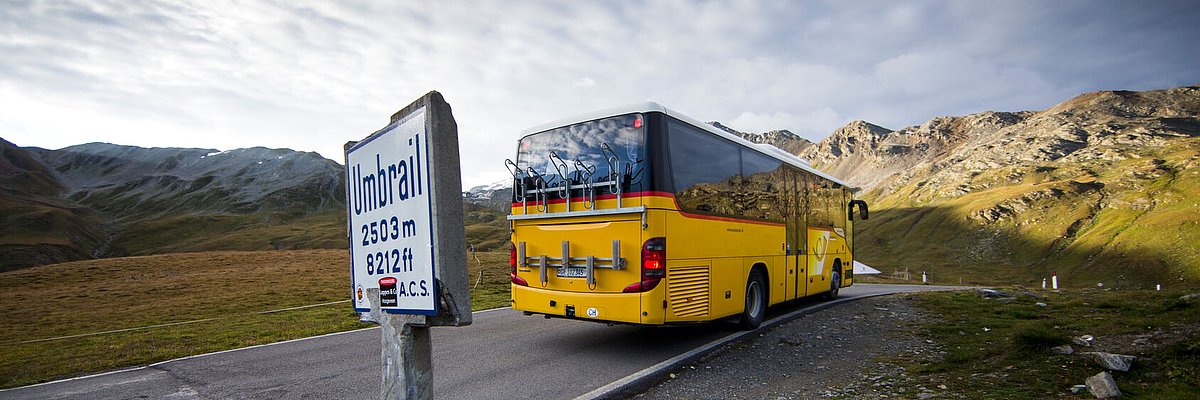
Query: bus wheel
x,y
835,286
756,301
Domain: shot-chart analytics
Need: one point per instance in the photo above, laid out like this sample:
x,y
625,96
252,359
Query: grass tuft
x,y
1038,337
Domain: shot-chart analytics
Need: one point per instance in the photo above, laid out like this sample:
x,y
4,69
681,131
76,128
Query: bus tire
x,y
756,301
835,285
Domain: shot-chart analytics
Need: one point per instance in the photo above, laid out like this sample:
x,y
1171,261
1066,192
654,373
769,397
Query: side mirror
x,y
862,211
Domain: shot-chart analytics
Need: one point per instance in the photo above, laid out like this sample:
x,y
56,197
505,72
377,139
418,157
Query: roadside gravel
x,y
841,352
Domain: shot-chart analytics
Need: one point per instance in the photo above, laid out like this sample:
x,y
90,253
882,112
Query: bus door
x,y
824,241
796,234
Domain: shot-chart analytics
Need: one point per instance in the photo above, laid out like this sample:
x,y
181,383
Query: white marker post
x,y
405,222
1054,280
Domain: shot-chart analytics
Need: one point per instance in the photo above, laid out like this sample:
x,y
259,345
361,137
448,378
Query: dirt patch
x,y
1145,343
840,352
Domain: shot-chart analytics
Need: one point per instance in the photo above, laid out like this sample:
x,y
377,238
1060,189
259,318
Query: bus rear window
x,y
587,152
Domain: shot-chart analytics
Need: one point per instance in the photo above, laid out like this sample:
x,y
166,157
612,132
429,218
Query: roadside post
x,y
405,225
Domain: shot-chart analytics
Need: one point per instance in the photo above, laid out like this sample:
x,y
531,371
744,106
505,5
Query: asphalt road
x,y
502,355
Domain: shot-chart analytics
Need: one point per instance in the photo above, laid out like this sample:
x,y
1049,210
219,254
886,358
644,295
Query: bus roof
x,y
766,149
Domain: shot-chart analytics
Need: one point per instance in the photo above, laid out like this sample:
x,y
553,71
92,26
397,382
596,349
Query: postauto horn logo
x,y
387,292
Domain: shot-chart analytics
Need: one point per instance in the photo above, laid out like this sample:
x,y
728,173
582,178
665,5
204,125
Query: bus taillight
x,y
512,261
654,265
654,258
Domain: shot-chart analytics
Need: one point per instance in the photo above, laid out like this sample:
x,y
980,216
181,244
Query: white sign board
x,y
391,219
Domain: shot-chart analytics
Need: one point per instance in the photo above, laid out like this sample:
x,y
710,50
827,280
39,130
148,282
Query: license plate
x,y
571,273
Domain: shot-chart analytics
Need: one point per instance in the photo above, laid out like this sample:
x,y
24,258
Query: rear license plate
x,y
571,273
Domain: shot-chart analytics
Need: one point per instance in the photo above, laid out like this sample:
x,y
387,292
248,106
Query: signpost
x,y
407,247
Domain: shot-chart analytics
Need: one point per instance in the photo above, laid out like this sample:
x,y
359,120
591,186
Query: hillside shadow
x,y
953,248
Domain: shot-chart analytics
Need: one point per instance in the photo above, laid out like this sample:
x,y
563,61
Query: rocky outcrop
x,y
1092,186
946,156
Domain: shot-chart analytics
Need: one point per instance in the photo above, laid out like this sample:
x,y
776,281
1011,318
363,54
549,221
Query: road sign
x,y
407,241
391,223
404,214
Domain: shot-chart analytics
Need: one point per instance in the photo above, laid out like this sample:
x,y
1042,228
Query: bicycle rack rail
x,y
589,263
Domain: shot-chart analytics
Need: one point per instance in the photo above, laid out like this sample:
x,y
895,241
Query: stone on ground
x,y
1103,386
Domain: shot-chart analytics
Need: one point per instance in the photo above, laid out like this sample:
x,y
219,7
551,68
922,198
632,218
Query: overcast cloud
x,y
312,75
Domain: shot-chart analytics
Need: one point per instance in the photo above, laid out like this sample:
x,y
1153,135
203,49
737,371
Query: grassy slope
x,y
1130,224
33,231
997,350
486,228
189,233
230,287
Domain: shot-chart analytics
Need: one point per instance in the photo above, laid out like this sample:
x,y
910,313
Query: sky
x,y
312,75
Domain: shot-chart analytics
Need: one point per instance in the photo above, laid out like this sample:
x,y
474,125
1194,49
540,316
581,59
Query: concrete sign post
x,y
407,248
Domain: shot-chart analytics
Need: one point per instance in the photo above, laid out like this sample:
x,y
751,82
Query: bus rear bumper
x,y
604,307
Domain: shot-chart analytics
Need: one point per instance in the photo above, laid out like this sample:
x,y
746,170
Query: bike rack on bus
x,y
614,177
564,181
518,178
540,198
585,173
590,263
539,189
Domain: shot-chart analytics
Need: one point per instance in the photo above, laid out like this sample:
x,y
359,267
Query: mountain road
x,y
502,355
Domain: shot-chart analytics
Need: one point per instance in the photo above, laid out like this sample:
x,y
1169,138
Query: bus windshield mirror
x,y
862,209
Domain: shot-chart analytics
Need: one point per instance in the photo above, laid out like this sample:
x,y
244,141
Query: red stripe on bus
x,y
671,196
608,196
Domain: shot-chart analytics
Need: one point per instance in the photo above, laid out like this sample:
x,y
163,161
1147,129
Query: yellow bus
x,y
642,215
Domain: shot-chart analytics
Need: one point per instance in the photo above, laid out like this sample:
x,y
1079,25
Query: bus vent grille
x,y
687,289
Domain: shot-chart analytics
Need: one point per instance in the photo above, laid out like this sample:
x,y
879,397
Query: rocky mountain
x,y
99,199
1102,188
783,139
135,182
496,195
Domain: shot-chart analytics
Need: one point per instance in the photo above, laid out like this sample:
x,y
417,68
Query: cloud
x,y
311,76
585,82
813,125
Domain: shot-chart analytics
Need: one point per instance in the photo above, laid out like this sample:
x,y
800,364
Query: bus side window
x,y
762,184
822,202
705,169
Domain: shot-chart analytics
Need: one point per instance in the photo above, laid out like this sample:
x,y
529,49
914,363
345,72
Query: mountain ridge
x,y
1099,187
